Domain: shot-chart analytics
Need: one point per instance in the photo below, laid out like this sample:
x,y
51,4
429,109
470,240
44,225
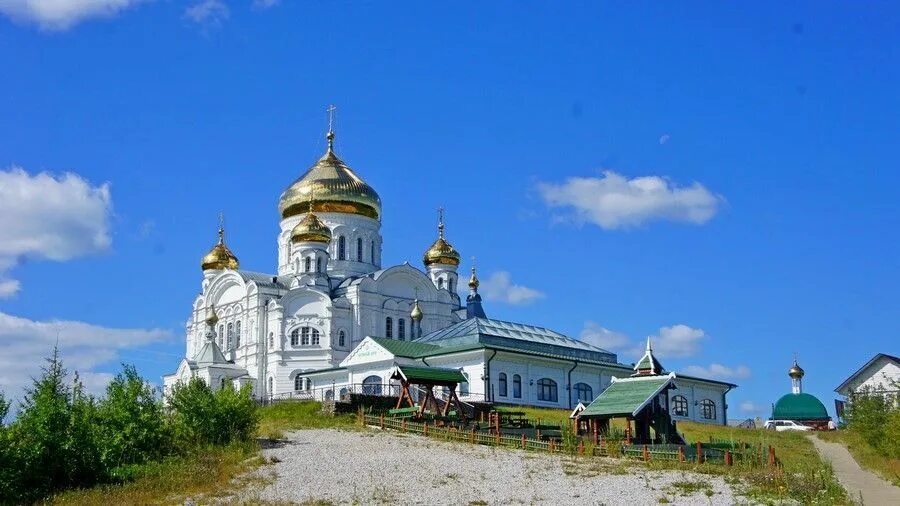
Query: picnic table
x,y
512,418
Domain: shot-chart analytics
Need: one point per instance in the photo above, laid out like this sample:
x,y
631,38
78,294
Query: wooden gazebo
x,y
428,378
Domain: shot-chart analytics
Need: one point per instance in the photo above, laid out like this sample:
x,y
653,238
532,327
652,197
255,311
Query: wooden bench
x,y
404,412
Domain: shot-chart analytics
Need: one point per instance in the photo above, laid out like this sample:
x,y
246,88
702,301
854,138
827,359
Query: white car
x,y
783,425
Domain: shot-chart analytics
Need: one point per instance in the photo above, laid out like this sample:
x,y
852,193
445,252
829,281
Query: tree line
x,y
64,438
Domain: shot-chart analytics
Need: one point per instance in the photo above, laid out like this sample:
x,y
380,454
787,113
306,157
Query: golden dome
x,y
312,229
473,280
219,257
441,252
337,188
416,313
796,372
211,317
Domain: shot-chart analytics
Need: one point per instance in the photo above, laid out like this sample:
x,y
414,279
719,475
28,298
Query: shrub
x,y
875,417
201,417
133,425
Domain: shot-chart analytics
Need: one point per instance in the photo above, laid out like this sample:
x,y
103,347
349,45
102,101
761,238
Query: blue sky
x,y
720,176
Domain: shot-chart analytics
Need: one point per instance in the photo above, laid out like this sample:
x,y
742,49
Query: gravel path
x,y
859,482
372,467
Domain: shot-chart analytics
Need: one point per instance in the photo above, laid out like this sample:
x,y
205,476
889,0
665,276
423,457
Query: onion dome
x,y
473,279
220,257
211,317
311,229
441,252
796,372
416,313
338,190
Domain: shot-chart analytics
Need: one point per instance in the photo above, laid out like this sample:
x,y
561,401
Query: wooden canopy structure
x,y
428,378
643,399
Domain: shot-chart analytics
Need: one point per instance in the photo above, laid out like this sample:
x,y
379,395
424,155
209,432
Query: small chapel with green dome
x,y
798,406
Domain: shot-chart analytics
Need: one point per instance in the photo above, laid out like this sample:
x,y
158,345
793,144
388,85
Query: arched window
x,y
230,331
372,385
222,384
501,383
315,337
271,386
329,395
584,392
307,264
372,252
547,390
450,284
221,336
295,337
401,329
304,336
679,406
440,283
344,394
298,382
318,265
708,409
342,338
342,248
517,386
388,327
271,340
359,249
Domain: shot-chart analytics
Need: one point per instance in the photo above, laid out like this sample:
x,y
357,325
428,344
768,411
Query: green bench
x,y
404,412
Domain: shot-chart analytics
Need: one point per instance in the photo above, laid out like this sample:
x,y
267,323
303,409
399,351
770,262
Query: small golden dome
x,y
473,279
337,188
211,317
220,257
416,313
311,229
441,252
796,372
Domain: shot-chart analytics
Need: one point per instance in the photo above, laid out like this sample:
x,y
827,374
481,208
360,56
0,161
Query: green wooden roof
x,y
429,374
626,397
799,407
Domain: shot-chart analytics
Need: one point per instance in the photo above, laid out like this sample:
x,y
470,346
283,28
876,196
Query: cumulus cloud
x,y
52,217
597,335
677,341
613,201
63,14
718,371
25,343
500,288
208,13
752,408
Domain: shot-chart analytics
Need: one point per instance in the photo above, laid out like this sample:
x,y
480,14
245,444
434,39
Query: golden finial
x,y
473,279
416,313
330,135
211,316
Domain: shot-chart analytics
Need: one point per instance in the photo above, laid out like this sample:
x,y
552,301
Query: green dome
x,y
799,407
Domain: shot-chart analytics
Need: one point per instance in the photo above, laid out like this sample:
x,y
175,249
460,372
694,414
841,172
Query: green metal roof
x,y
626,397
430,374
799,407
406,349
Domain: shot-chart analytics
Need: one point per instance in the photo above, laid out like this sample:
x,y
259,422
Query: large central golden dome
x,y
336,187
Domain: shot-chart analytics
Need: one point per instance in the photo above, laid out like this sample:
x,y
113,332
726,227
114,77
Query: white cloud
x,y
664,138
52,217
613,201
677,341
610,340
752,408
25,343
209,13
63,14
718,371
500,288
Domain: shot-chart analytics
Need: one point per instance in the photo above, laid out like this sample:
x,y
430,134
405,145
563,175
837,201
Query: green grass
x,y
867,456
278,418
206,473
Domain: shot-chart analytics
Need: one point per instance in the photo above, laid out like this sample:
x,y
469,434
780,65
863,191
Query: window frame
x,y
548,390
389,327
582,387
517,386
680,406
502,385
708,409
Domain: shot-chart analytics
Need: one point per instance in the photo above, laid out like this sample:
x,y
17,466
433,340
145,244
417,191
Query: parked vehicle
x,y
783,425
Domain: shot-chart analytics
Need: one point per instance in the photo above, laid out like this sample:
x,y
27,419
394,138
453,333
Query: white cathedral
x,y
333,320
